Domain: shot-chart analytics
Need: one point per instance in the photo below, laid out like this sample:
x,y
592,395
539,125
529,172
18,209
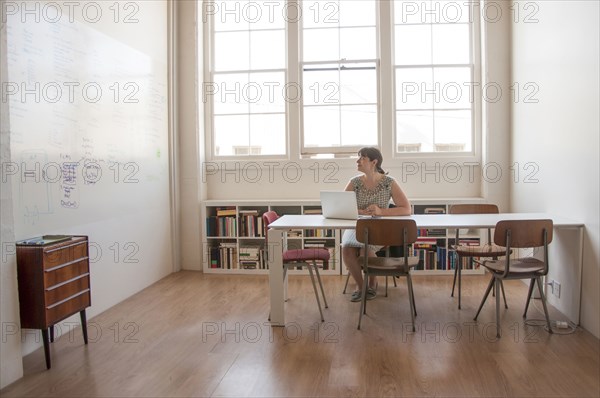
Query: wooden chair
x,y
519,234
380,253
387,232
478,251
302,258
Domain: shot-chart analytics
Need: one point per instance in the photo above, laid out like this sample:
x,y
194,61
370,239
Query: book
x,y
44,240
221,212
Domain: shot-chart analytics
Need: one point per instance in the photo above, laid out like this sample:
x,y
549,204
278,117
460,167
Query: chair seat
x,y
306,255
480,251
520,266
382,265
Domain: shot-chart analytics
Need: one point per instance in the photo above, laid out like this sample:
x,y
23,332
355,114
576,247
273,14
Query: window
x,y
435,75
353,67
339,76
247,78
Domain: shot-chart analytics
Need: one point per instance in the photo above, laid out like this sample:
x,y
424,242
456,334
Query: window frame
x,y
208,103
475,40
342,150
386,101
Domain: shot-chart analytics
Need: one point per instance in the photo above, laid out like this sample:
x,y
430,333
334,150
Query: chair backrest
x,y
523,233
474,208
268,217
386,232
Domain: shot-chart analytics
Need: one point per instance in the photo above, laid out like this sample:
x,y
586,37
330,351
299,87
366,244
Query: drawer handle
x,y
67,299
66,264
65,282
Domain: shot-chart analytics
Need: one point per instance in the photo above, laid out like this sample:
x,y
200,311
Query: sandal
x,y
371,293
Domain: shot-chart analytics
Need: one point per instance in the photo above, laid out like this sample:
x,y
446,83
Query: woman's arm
x,y
400,200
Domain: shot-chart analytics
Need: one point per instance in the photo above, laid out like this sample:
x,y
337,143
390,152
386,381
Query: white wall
x,y
11,364
558,52
128,224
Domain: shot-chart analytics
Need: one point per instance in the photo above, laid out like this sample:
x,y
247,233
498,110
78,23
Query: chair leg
x,y
386,286
411,299
454,280
539,283
459,268
363,301
503,294
497,284
320,285
529,293
346,284
312,279
485,296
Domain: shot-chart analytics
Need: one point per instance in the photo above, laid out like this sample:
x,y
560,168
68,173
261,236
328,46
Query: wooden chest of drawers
x,y
54,283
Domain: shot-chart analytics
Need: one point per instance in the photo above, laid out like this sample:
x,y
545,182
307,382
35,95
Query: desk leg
x,y
84,326
580,266
276,283
46,340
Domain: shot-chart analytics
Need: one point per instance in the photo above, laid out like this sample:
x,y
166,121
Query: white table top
x,y
423,220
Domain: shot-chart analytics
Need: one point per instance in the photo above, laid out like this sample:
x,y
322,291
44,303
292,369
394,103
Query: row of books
x,y
223,256
440,258
251,224
318,233
226,256
221,226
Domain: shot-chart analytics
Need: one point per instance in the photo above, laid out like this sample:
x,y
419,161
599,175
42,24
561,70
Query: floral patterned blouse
x,y
379,196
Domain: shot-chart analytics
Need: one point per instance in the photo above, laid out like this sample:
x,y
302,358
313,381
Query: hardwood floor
x,y
192,334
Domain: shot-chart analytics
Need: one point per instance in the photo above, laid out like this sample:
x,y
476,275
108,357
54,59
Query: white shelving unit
x,y
233,231
239,230
433,245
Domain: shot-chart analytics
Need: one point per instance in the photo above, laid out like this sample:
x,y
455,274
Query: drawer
x,y
61,310
63,255
62,274
67,289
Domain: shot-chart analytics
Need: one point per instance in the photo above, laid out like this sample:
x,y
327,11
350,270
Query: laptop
x,y
339,204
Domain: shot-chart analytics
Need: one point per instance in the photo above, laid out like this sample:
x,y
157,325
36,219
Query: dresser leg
x,y
46,347
52,334
84,326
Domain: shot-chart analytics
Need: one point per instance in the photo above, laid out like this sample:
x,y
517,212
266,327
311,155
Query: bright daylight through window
x,y
310,75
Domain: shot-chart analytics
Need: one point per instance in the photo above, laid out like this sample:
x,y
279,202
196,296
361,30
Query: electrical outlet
x,y
556,288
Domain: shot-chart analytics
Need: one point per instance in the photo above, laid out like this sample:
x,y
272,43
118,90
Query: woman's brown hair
x,y
373,154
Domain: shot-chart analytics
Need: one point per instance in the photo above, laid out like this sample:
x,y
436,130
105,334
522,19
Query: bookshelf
x,y
433,246
234,236
234,240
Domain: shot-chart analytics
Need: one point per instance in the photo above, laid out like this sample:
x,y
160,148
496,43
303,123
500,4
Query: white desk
x,y
445,221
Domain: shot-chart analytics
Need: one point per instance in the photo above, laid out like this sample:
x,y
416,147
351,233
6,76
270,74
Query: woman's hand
x,y
373,210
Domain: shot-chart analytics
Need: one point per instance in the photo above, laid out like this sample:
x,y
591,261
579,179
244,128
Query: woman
x,y
373,189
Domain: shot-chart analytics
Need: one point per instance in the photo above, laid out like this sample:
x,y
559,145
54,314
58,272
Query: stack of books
x,y
251,257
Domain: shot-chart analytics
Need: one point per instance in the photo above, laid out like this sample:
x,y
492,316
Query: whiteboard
x,y
89,138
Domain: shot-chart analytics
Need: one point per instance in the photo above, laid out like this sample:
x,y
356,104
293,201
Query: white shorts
x,y
349,240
